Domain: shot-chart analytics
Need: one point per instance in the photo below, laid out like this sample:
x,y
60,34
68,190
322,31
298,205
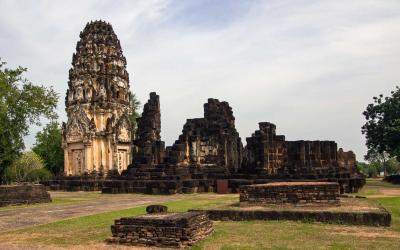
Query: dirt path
x,y
98,246
36,215
384,191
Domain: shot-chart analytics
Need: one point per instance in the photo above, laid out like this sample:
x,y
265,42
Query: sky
x,y
310,67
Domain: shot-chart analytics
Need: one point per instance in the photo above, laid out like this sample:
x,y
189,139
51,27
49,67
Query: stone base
x,y
298,193
351,212
162,229
175,184
23,194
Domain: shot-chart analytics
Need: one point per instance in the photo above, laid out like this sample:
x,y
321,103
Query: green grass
x,y
96,228
294,235
376,187
368,191
379,183
393,205
58,200
90,230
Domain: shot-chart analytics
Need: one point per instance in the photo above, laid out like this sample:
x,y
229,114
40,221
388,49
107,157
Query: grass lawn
x,y
58,200
375,186
297,235
94,229
300,235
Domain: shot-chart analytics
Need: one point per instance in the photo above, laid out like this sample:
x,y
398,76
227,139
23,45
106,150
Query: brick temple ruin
x,y
97,139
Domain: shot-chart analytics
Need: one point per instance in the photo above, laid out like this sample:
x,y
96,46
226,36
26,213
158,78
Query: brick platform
x,y
162,229
298,193
377,219
165,185
23,194
352,211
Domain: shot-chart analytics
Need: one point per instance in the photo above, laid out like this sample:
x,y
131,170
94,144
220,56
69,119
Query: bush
x,y
370,169
29,167
38,175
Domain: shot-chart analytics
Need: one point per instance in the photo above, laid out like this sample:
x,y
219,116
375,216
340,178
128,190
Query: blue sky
x,y
310,67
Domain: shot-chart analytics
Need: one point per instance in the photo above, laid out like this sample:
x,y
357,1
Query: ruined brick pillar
x,y
151,150
265,151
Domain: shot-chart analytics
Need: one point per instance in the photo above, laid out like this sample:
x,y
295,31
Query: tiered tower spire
x,y
97,136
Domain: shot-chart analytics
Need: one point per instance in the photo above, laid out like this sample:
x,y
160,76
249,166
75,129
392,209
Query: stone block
x,y
297,193
23,194
156,209
162,229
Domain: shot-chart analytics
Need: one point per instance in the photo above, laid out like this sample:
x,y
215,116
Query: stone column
x,y
67,167
88,159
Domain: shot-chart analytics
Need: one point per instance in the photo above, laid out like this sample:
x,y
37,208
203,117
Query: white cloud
x,y
311,67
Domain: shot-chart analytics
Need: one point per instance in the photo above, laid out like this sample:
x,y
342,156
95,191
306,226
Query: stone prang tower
x,y
97,136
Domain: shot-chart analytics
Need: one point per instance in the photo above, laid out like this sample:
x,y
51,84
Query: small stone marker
x,y
156,209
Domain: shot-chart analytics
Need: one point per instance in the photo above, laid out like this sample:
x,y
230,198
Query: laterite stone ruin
x,y
162,229
23,194
292,193
98,139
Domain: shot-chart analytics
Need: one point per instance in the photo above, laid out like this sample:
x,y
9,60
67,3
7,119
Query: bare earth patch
x,y
376,188
36,215
366,232
346,205
388,192
100,246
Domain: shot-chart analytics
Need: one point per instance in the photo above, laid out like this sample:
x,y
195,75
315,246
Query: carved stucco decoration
x,y
123,129
79,127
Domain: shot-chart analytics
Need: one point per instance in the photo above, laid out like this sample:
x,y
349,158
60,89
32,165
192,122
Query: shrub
x,y
28,167
38,175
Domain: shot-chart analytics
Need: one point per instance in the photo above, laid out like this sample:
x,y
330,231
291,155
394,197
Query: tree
x,y
382,129
370,169
21,104
135,104
379,162
378,159
28,167
393,166
48,146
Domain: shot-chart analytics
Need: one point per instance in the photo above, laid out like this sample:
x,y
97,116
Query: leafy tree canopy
x,y
48,147
22,104
382,129
135,104
372,169
29,167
